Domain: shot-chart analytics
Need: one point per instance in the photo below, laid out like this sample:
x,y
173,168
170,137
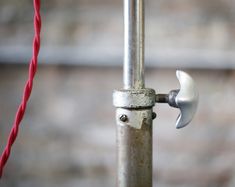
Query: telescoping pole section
x,y
134,105
133,44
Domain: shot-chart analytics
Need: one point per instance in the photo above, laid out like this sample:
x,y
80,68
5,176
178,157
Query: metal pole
x,y
134,103
133,44
135,155
134,116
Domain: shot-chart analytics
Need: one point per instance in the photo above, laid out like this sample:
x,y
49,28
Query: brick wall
x,y
180,33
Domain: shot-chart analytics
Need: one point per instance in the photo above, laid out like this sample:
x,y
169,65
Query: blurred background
x,y
67,137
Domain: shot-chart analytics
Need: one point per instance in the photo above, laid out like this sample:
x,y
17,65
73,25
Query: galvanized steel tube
x,y
135,154
134,144
133,44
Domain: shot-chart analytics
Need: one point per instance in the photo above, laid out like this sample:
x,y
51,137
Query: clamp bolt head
x,y
123,118
154,115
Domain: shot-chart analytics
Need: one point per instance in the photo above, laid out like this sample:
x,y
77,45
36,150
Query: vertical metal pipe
x,y
134,144
133,44
135,154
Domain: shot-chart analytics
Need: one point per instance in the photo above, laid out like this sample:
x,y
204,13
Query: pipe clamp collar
x,y
134,99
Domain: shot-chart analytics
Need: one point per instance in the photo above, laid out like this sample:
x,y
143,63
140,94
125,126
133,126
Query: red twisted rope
x,y
28,87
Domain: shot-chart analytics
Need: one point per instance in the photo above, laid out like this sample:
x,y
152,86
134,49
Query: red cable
x,y
28,87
